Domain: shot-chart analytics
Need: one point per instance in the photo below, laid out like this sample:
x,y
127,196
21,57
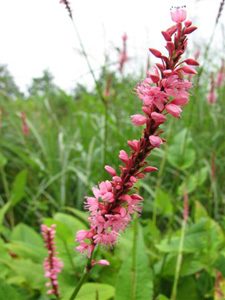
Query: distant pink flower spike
x,y
52,264
221,75
186,207
123,57
164,90
25,128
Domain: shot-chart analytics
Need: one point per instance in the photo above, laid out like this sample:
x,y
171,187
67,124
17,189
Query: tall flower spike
x,y
164,91
212,97
52,264
123,57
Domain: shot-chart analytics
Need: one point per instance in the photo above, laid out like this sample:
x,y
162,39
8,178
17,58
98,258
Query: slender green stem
x,y
98,88
5,183
179,262
83,279
79,285
105,133
134,256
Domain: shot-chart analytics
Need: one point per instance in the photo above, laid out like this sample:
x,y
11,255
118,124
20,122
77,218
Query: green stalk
x,y
134,255
179,261
5,183
105,133
83,278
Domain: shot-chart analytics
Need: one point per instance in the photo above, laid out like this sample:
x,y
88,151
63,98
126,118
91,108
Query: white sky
x,y
37,34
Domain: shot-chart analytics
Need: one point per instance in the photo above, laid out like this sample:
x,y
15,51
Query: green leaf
x,y
73,223
92,291
7,292
163,202
181,155
18,188
200,211
190,265
192,182
26,234
204,237
3,160
134,280
28,272
162,297
80,215
17,194
187,290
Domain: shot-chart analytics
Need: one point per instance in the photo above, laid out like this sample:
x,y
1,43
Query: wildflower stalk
x,y
134,257
83,279
205,56
164,91
179,262
97,85
52,264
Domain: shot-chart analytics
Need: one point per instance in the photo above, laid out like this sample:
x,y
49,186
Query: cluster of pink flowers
x,y
164,91
52,264
123,57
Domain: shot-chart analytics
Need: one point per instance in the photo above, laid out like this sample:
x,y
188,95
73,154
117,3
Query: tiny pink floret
x,y
138,120
155,141
174,110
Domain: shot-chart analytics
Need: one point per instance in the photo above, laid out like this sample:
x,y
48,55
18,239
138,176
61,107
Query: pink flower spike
x,y
178,14
155,141
138,120
52,264
110,170
174,110
158,118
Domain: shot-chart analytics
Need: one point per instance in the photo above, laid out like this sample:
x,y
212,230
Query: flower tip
x,y
178,13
